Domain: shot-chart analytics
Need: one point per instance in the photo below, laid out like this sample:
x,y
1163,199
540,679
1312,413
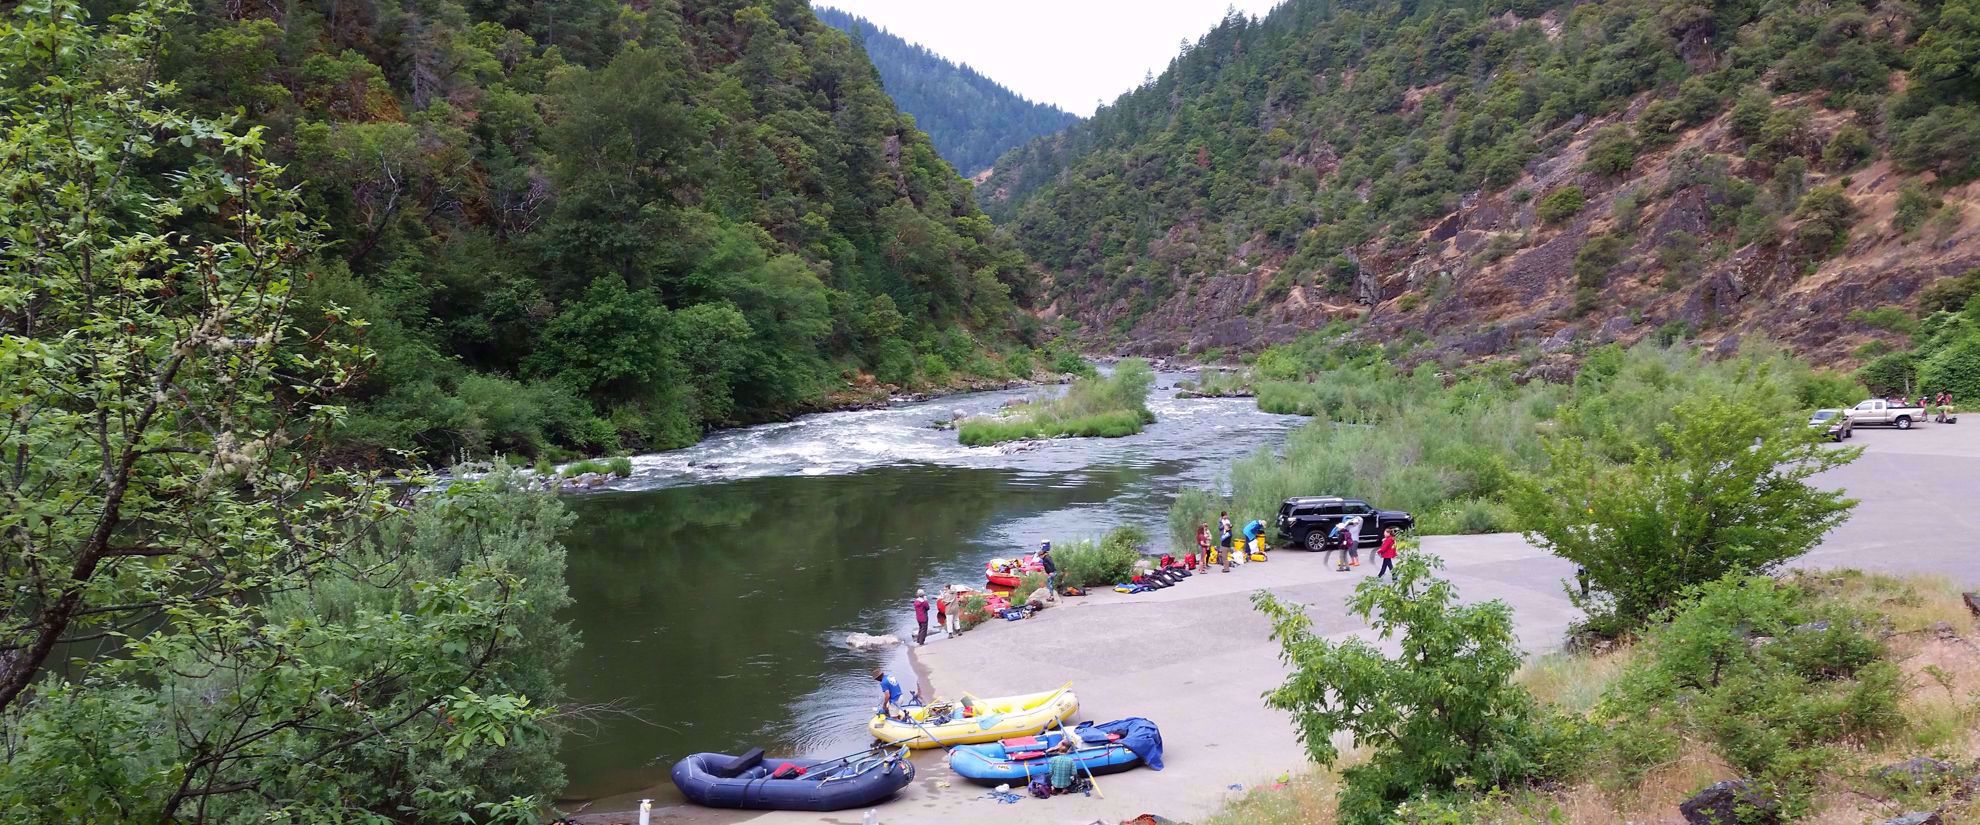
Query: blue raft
x,y
1107,747
718,780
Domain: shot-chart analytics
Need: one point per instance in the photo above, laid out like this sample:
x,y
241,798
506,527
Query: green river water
x,y
715,589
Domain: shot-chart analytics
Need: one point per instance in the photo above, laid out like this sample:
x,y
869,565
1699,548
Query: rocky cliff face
x,y
1491,279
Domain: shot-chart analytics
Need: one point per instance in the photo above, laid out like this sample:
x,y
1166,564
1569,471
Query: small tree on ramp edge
x,y
1442,717
1729,494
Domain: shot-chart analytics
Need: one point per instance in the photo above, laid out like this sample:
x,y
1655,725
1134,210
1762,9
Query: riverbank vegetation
x,y
619,466
1096,406
1834,697
1448,445
1214,382
205,620
1102,563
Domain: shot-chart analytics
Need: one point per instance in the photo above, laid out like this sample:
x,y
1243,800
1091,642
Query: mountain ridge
x,y
1515,180
971,118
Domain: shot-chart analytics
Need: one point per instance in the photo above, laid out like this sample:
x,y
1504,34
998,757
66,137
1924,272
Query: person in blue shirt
x,y
890,692
1254,536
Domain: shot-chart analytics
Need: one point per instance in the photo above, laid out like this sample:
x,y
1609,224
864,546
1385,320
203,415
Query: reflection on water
x,y
714,600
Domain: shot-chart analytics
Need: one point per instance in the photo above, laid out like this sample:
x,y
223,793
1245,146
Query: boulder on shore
x,y
862,641
1923,773
1732,802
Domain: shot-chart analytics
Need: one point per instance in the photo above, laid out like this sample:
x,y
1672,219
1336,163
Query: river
x,y
714,587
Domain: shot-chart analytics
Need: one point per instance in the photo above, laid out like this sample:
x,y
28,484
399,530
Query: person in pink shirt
x,y
1388,554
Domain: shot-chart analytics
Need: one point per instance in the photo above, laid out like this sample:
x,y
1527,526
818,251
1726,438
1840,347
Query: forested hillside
x,y
582,225
1522,177
971,118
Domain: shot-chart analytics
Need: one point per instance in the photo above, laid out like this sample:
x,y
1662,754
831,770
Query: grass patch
x,y
1216,383
1095,407
1307,799
983,432
1574,681
620,466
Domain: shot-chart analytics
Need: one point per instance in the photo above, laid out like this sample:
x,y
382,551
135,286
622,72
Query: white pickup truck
x,y
1878,411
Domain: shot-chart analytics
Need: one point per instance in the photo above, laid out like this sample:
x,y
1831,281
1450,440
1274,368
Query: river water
x,y
714,588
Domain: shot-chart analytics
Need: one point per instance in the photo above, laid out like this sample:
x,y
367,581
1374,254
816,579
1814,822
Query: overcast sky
x,y
1070,53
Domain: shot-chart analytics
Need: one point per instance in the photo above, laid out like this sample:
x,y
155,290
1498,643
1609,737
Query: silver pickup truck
x,y
1877,411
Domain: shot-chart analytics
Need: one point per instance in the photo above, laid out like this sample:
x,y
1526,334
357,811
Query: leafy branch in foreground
x,y
1442,716
151,379
255,638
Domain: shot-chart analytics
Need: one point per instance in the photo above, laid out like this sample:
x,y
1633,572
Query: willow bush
x,y
1446,445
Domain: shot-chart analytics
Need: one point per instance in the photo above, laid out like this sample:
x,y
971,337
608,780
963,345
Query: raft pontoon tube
x,y
944,725
1017,761
719,780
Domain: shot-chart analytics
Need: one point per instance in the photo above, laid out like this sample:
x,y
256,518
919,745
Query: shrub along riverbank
x,y
1445,446
1109,406
1103,563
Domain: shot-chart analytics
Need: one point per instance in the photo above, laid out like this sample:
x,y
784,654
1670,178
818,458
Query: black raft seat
x,y
732,766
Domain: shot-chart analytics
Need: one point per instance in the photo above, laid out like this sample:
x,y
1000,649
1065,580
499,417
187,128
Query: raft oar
x,y
924,732
992,720
848,757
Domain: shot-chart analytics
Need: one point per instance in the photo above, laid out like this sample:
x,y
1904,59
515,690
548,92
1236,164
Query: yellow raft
x,y
1000,718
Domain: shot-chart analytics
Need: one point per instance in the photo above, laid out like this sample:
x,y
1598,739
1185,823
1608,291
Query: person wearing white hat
x,y
921,617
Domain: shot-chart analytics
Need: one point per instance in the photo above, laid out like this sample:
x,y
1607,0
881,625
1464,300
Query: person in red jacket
x,y
1388,554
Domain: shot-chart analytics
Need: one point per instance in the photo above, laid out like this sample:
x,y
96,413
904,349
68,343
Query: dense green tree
x,y
1725,491
732,164
1443,715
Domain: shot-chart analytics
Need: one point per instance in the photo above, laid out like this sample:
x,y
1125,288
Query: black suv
x,y
1304,521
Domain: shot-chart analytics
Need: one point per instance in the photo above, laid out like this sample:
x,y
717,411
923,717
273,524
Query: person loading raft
x,y
890,693
1254,538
